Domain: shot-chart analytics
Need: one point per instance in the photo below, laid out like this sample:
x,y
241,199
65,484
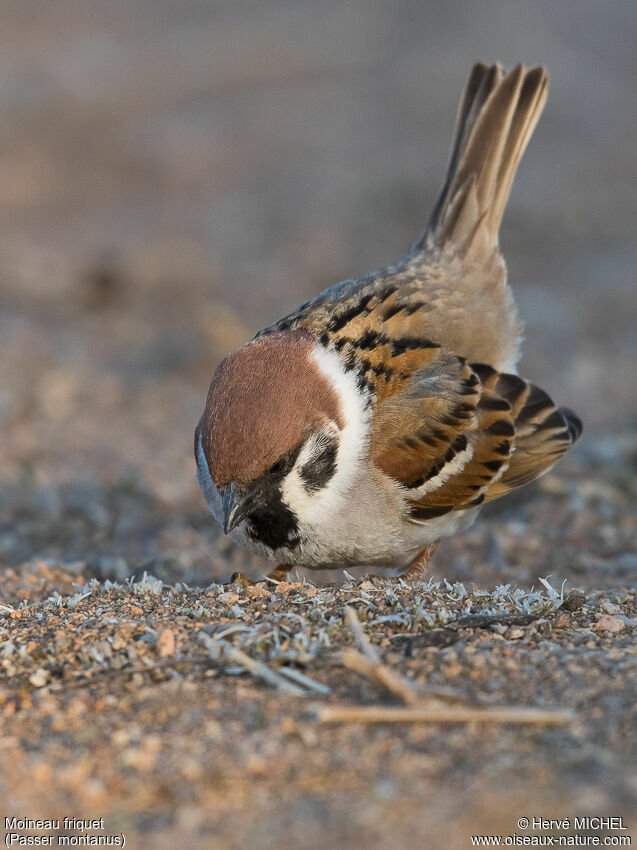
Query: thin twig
x,y
505,618
236,627
368,663
430,714
260,670
396,684
100,675
355,660
304,680
369,651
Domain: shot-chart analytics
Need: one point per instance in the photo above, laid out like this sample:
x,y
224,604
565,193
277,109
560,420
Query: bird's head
x,y
280,438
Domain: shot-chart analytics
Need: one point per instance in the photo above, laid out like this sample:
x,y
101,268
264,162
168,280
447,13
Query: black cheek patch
x,y
316,474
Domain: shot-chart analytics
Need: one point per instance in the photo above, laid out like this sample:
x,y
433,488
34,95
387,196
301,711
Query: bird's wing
x,y
453,432
459,434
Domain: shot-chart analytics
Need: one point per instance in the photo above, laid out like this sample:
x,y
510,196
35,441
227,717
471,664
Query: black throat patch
x,y
274,525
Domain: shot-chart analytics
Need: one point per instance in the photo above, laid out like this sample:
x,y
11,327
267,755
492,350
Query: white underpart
x,y
318,508
452,467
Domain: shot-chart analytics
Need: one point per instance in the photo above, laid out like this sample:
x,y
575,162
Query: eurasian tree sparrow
x,y
379,416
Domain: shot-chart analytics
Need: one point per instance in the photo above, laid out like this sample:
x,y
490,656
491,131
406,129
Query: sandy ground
x,y
174,177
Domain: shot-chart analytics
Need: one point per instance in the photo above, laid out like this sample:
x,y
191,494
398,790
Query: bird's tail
x,y
497,115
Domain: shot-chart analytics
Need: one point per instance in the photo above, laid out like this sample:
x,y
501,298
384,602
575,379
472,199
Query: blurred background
x,y
176,175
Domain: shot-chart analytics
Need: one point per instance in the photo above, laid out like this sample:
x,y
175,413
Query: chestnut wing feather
x,y
458,434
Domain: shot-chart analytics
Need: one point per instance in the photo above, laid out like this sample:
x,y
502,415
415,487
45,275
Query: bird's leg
x,y
279,573
418,569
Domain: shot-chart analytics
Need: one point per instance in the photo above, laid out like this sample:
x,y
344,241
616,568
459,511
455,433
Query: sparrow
x,y
379,416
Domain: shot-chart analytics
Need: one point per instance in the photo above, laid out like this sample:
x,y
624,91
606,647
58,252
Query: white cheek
x,y
308,505
316,507
295,495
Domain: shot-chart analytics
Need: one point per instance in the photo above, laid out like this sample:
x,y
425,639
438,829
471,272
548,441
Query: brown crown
x,y
263,399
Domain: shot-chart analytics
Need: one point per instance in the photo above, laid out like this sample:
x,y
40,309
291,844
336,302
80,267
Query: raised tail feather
x,y
497,116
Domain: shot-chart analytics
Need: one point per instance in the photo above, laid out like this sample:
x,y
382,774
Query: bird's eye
x,y
277,466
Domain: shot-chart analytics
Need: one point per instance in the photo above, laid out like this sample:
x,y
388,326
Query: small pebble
x,y
228,598
40,678
607,623
166,644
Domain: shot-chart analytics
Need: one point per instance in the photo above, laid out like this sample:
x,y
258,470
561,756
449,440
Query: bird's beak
x,y
236,508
